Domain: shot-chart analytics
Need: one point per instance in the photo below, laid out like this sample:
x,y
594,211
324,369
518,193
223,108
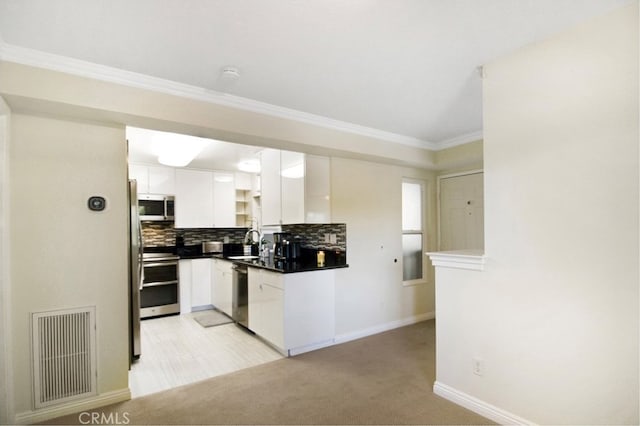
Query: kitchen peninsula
x,y
290,304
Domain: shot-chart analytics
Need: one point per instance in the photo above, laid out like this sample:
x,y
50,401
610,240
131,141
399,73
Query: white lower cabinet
x,y
222,285
195,284
201,283
266,306
293,312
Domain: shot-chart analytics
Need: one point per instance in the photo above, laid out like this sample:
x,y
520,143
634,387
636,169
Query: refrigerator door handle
x,y
140,251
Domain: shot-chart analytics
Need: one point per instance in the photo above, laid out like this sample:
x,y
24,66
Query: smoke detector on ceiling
x,y
230,73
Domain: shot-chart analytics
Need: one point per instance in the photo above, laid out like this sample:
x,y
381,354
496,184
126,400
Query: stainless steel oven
x,y
160,294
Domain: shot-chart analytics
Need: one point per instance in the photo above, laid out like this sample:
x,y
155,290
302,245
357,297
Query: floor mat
x,y
211,318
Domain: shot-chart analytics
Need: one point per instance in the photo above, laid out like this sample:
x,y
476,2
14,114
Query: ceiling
x,y
405,68
216,155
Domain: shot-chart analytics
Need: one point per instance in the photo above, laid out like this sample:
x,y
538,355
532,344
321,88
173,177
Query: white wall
x,y
62,254
554,316
370,296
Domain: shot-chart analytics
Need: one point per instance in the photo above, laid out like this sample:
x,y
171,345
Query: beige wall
x,y
460,158
62,254
6,373
370,295
554,316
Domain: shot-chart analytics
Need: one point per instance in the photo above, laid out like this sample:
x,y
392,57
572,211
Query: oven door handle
x,y
158,283
151,265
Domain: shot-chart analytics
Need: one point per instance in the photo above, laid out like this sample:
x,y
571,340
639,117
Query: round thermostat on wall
x,y
97,203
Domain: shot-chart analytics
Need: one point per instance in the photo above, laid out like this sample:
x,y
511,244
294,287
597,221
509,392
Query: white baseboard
x,y
30,417
309,348
469,402
346,337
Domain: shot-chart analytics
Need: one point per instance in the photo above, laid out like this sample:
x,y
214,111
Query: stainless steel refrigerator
x,y
135,271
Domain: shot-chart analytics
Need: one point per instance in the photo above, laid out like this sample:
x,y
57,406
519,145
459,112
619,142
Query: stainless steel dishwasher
x,y
240,297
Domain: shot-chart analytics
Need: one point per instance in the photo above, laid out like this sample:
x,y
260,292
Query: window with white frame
x,y
412,230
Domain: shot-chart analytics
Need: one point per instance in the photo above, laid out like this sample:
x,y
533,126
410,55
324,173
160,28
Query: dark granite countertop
x,y
306,263
290,266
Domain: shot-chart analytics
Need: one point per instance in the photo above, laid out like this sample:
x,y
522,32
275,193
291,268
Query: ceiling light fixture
x,y
222,178
249,166
177,150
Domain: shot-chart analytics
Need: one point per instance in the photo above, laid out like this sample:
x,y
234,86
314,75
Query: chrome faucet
x,y
250,232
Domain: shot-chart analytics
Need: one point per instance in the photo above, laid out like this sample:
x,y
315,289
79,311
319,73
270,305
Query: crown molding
x,y
459,140
36,58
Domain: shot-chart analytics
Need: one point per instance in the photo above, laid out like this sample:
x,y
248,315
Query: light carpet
x,y
382,379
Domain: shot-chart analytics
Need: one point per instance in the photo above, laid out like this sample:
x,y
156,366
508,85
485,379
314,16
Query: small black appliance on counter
x,y
286,247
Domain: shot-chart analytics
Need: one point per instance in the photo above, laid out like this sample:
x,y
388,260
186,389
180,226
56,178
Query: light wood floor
x,y
176,350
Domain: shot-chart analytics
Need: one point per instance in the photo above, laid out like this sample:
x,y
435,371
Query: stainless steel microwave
x,y
156,207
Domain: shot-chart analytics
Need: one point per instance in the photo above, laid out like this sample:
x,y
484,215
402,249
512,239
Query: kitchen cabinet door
x,y
194,199
270,187
317,189
222,285
224,200
242,181
200,283
141,174
266,306
162,180
292,178
153,179
295,188
272,309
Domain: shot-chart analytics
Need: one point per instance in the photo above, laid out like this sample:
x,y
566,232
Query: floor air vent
x,y
64,355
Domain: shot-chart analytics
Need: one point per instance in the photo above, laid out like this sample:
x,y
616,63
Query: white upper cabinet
x,y
270,187
292,177
153,179
205,199
295,188
317,189
243,181
141,175
162,180
194,199
224,200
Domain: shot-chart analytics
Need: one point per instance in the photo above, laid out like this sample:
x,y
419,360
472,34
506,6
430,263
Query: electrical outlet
x,y
333,239
327,238
478,366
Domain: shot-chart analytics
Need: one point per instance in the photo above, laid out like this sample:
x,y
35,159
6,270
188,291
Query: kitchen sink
x,y
242,257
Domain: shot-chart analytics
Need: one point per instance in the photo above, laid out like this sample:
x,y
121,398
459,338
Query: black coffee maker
x,y
285,247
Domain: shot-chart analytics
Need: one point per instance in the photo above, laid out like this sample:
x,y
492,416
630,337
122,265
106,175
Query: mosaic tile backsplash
x,y
313,235
161,234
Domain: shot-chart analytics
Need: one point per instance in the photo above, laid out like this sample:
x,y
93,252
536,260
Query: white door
x,y
462,212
